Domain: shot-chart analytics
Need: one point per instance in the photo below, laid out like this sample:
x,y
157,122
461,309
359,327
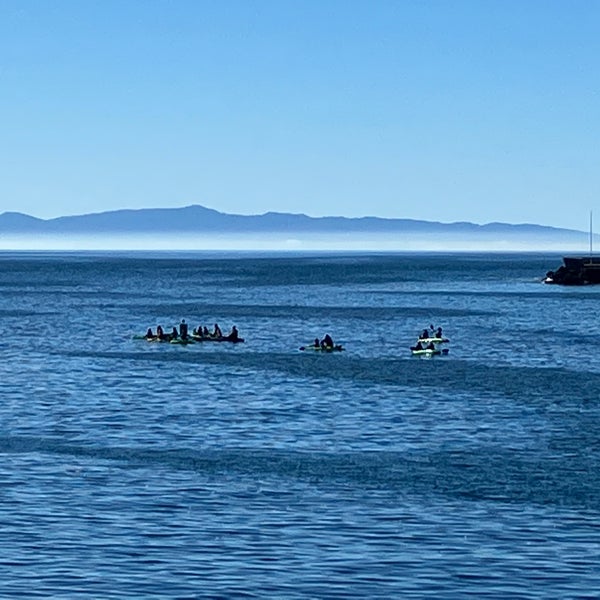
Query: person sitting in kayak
x,y
430,346
419,346
424,335
234,335
149,335
438,333
160,334
327,342
198,332
174,334
183,330
217,333
317,343
205,331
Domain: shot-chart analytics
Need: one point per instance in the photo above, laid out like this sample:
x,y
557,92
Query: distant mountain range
x,y
201,221
198,219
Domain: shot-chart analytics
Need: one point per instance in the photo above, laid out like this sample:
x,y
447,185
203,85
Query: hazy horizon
x,y
282,243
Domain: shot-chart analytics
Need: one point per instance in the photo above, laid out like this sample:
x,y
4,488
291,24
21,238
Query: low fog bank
x,y
308,242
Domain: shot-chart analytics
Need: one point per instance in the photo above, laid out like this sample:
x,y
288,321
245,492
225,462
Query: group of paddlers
x,y
427,334
326,343
428,339
200,332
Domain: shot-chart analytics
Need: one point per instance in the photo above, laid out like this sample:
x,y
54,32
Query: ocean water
x,y
141,470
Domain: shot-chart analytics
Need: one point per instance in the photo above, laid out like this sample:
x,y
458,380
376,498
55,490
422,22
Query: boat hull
x,y
575,271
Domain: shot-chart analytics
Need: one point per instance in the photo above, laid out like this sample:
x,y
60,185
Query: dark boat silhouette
x,y
576,271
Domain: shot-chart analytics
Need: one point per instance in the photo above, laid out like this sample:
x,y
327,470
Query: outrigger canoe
x,y
336,348
428,352
223,338
193,339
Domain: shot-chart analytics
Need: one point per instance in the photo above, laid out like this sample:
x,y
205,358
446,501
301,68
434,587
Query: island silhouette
x,y
200,221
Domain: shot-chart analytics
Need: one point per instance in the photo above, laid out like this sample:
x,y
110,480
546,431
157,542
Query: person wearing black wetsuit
x,y
327,341
183,329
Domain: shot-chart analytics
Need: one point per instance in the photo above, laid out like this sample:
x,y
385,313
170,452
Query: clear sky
x,y
481,110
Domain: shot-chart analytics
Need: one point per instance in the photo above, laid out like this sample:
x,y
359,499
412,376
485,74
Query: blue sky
x,y
475,111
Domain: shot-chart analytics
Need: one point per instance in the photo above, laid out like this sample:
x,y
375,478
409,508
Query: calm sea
x,y
140,470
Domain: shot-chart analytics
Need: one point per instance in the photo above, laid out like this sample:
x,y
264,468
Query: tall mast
x,y
591,236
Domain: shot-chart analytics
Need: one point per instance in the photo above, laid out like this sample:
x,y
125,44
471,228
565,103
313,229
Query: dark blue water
x,y
143,470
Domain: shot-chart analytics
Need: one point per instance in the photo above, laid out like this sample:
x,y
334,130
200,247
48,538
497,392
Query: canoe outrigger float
x,y
429,352
433,340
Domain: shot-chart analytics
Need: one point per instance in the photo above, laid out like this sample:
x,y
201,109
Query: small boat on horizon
x,y
577,270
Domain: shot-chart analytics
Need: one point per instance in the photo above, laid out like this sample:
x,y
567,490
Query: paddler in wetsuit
x,y
327,342
217,333
183,329
234,335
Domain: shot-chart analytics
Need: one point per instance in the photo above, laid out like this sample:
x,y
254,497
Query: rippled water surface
x,y
136,469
